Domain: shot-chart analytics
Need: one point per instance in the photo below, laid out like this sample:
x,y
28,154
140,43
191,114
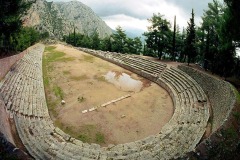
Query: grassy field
x,y
88,133
50,56
79,79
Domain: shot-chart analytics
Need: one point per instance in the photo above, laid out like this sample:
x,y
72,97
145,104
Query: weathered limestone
x,y
220,94
23,94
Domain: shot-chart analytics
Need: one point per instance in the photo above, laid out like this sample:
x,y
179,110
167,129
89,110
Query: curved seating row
x,y
131,61
23,94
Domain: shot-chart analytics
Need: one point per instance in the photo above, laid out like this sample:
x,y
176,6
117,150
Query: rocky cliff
x,y
60,18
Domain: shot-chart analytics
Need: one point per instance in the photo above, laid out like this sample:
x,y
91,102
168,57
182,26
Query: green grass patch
x,y
87,133
52,106
66,59
79,78
90,134
238,96
236,93
50,48
88,58
66,72
52,55
58,124
100,78
84,138
100,138
45,73
58,92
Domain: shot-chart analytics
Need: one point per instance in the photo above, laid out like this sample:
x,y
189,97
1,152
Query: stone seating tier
x,y
23,94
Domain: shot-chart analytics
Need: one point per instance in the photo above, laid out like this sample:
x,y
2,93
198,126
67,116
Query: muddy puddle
x,y
124,81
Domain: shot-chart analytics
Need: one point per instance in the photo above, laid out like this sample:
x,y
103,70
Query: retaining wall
x,y
6,137
5,127
220,94
6,63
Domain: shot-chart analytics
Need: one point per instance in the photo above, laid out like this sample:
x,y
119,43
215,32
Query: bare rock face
x,y
60,18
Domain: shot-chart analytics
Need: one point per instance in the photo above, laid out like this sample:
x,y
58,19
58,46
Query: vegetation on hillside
x,y
117,42
212,44
13,36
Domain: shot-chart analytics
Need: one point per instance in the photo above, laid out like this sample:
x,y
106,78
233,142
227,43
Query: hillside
x,y
60,18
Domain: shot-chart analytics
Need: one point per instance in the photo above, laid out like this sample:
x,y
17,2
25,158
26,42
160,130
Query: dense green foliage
x,y
13,37
117,42
212,44
161,41
232,15
158,36
24,38
190,45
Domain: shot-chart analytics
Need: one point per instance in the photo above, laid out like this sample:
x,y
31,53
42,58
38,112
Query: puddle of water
x,y
124,81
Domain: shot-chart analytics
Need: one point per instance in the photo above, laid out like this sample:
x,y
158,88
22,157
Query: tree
x,y
182,49
95,41
10,20
212,22
106,44
191,40
174,40
123,44
158,36
119,39
232,19
137,45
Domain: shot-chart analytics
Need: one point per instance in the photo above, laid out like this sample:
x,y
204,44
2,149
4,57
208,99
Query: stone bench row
x,y
190,108
47,144
22,91
128,56
21,87
138,58
154,68
44,141
151,68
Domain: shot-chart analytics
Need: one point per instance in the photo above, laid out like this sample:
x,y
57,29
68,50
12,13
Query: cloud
x,y
127,22
134,14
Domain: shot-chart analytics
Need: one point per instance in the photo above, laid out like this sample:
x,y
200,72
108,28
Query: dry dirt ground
x,y
82,81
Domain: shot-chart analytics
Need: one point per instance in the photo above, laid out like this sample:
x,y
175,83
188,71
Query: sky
x,y
132,15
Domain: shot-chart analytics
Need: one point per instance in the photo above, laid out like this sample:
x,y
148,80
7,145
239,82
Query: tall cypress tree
x,y
74,36
190,48
174,40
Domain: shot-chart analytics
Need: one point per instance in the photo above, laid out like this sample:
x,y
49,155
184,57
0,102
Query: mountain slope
x,y
60,18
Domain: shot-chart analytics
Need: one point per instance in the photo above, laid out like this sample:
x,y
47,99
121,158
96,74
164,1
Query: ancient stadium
x,y
167,112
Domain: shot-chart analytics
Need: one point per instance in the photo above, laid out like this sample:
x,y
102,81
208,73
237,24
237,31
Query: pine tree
x,y
190,48
158,36
232,15
74,36
174,40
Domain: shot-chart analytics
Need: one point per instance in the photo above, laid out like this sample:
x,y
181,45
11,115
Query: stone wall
x,y
5,127
220,94
7,144
6,63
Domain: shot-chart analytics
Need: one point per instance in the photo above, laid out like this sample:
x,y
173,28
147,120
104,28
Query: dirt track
x,y
82,79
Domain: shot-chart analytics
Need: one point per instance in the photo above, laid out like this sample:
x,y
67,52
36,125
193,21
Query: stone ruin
x,y
23,98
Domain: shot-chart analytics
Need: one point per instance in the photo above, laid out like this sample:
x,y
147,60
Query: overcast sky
x,y
132,15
